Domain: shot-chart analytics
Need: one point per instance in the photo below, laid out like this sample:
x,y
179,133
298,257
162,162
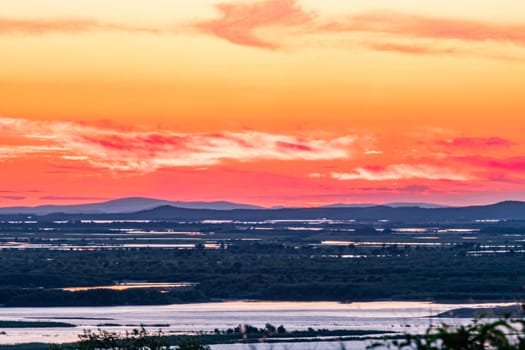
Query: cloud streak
x,y
13,198
429,27
144,151
68,25
512,165
477,142
238,22
243,23
401,172
72,198
412,49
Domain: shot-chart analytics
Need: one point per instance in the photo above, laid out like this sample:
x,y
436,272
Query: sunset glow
x,y
268,102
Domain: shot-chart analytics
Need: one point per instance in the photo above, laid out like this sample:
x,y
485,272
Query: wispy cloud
x,y
150,150
373,152
412,49
513,165
67,25
10,151
429,27
238,22
401,172
243,23
13,198
71,198
21,191
477,142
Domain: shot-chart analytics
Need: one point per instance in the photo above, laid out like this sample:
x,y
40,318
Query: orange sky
x,y
271,102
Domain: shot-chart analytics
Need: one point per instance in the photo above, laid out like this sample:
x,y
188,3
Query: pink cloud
x,y
424,35
509,170
293,146
427,27
477,142
144,151
401,172
239,21
512,165
72,198
13,198
68,25
413,49
386,189
18,192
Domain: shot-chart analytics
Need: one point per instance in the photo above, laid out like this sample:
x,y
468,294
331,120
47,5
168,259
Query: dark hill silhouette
x,y
393,205
501,211
122,205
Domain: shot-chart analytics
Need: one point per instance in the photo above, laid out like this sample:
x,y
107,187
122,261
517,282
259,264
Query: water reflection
x,y
383,316
126,286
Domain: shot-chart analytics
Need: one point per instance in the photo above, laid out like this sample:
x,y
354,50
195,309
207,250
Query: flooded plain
x,y
387,316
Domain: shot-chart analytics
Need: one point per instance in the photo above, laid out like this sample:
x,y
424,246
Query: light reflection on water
x,y
383,243
20,245
385,316
126,286
347,345
493,252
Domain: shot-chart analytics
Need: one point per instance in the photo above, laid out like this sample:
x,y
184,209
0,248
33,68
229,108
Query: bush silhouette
x,y
191,344
503,334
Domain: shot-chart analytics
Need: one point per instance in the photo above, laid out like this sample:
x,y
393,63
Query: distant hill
x,y
135,204
514,311
122,205
393,205
416,204
500,211
350,205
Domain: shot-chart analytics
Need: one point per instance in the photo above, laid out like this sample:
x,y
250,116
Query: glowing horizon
x,y
268,102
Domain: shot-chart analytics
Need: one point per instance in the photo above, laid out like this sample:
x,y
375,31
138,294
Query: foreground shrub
x,y
504,334
138,339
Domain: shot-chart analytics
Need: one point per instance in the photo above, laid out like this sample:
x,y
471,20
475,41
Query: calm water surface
x,y
387,316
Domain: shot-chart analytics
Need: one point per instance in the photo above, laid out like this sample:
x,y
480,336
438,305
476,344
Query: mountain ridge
x,y
503,211
153,209
122,205
134,204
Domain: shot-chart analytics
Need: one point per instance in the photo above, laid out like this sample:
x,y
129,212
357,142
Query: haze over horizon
x,y
263,102
141,203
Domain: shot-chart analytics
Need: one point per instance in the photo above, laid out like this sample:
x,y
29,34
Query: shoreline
x,y
379,317
210,338
222,301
